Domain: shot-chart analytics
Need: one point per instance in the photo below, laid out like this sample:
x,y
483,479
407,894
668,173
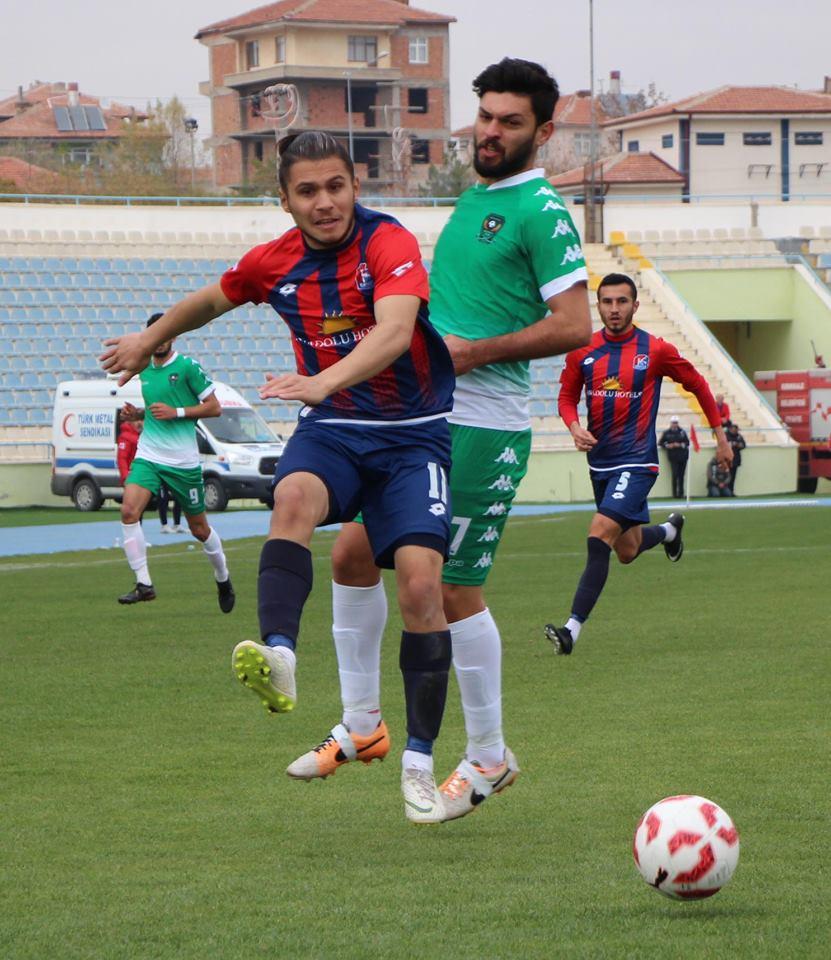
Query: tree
x,y
451,179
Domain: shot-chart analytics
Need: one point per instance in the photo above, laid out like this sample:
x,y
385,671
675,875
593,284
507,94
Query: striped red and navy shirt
x,y
622,379
327,298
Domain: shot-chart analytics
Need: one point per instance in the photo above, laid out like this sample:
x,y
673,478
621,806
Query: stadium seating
x,y
62,296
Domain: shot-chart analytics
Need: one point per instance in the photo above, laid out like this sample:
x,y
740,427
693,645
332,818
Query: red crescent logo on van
x,y
68,430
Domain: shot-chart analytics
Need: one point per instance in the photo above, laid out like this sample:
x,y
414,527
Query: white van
x,y
238,449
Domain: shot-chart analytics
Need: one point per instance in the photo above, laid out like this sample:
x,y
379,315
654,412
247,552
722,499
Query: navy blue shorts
x,y
621,494
395,476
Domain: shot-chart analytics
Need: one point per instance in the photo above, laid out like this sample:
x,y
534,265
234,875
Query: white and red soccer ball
x,y
686,847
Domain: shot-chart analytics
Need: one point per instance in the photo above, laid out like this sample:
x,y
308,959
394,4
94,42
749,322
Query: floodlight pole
x,y
192,125
348,76
589,204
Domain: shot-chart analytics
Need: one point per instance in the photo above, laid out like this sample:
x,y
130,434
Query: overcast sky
x,y
138,52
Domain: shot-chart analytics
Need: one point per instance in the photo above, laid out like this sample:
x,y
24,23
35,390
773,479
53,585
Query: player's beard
x,y
514,162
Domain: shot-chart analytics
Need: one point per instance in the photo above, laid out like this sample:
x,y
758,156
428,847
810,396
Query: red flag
x,y
694,438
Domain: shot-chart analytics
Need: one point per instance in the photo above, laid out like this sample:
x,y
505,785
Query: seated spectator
x,y
718,480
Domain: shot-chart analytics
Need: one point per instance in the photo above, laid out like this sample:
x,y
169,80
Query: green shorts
x,y
486,471
186,486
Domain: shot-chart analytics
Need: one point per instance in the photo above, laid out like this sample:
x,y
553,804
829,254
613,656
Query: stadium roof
x,y
739,100
393,12
622,168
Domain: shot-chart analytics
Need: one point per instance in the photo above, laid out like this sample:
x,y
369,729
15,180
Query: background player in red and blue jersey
x,y
376,381
621,371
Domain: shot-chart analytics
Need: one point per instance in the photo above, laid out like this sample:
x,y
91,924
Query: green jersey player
x,y
508,284
176,392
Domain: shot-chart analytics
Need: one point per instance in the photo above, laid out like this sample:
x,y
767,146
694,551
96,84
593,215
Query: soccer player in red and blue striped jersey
x,y
621,371
376,381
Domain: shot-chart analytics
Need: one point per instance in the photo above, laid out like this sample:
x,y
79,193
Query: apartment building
x,y
736,141
363,70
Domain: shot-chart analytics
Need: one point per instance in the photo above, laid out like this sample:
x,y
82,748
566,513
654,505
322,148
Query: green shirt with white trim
x,y
179,382
506,249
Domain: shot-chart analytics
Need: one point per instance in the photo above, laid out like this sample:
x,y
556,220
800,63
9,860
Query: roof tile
x,y
623,168
330,11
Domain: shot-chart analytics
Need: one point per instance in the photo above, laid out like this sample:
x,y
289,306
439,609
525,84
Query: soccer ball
x,y
686,847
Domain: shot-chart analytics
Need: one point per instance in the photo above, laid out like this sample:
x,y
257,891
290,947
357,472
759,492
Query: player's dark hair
x,y
154,318
614,280
310,145
524,77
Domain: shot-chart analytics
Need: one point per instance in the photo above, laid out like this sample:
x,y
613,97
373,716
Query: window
x,y
258,150
757,139
363,49
279,49
418,50
252,54
420,152
709,139
80,155
633,146
667,141
417,102
583,144
805,138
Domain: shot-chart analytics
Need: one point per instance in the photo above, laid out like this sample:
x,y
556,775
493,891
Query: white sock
x,y
421,761
477,659
135,547
671,531
573,626
359,615
213,551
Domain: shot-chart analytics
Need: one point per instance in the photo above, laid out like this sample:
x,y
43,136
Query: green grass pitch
x,y
145,811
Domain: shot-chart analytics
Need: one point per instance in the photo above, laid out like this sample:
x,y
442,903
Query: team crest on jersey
x,y
611,383
363,278
336,322
173,378
491,225
641,361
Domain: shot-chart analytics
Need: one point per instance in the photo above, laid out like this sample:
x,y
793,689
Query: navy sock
x,y
651,537
280,640
283,586
593,579
425,664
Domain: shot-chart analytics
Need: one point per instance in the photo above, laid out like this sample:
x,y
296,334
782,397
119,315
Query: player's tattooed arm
x,y
566,327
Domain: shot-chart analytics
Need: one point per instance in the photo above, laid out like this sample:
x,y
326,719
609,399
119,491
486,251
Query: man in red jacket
x,y
128,438
621,371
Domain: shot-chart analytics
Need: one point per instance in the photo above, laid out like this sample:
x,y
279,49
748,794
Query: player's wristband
x,y
180,412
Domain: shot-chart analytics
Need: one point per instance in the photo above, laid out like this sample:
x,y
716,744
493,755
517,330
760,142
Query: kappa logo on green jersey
x,y
491,225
